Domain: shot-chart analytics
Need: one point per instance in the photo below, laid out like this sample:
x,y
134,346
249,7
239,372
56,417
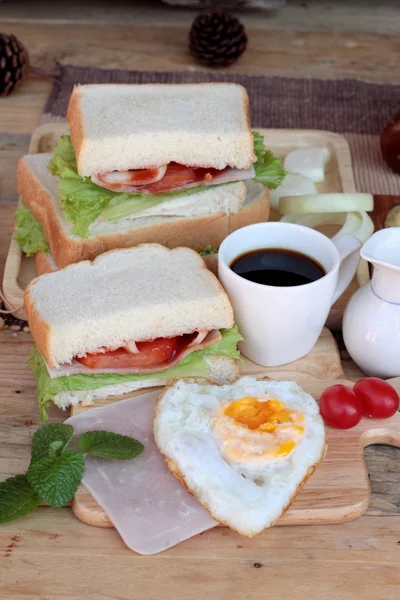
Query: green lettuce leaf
x,y
208,250
29,233
83,201
193,365
268,168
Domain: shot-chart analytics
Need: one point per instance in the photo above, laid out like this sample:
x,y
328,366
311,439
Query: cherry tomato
x,y
340,407
150,354
379,399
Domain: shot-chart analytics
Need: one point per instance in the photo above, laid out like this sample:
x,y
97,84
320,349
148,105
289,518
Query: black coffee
x,y
277,267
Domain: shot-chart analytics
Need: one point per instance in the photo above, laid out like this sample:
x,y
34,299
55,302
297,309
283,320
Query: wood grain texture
x,y
336,492
322,54
366,16
52,556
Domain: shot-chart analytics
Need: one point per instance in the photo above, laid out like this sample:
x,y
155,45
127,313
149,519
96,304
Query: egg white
x,y
248,497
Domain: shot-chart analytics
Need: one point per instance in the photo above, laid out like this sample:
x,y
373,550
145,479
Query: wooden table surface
x,y
50,555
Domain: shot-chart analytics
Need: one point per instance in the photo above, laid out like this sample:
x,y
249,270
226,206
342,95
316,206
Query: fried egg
x,y
242,449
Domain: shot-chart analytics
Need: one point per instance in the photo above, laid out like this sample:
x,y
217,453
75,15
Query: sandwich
x,y
171,164
131,319
40,188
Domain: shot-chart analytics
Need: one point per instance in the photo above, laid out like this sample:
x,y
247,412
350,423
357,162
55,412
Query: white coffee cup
x,y
281,324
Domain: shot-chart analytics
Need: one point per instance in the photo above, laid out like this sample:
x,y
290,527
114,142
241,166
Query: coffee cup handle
x,y
348,247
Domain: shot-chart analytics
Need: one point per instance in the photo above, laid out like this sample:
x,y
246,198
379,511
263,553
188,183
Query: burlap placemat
x,y
356,109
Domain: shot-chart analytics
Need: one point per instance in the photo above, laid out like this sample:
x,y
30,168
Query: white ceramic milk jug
x,y
371,323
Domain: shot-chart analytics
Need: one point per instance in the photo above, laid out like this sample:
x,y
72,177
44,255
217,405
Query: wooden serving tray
x,y
19,269
339,489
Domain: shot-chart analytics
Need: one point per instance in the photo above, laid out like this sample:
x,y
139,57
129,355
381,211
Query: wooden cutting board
x,y
339,490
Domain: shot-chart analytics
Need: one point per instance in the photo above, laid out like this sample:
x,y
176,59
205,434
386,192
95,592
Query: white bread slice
x,y
222,370
44,263
139,294
39,191
120,127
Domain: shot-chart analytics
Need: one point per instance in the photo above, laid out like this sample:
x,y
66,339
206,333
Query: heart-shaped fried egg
x,y
242,449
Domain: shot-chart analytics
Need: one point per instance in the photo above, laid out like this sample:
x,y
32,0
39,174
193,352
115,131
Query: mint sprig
x,y
55,473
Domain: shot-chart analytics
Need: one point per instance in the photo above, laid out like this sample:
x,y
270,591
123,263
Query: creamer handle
x,y
349,249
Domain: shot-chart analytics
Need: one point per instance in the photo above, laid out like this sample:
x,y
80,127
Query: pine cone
x,y
217,39
14,63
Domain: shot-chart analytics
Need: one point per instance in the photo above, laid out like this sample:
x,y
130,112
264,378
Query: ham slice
x,y
148,506
76,367
229,175
167,178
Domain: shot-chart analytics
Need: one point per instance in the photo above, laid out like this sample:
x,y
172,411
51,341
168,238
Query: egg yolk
x,y
284,429
264,416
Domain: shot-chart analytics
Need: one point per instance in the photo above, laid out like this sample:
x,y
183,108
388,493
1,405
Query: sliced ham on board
x,y
147,505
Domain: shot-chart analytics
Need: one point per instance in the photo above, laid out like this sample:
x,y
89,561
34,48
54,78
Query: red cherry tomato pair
x,y
343,408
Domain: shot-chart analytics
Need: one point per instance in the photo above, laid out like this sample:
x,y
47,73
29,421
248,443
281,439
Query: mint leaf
x,y
46,435
56,449
109,445
17,498
56,481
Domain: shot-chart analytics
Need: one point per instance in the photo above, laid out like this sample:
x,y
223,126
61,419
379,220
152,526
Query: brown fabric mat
x,y
356,109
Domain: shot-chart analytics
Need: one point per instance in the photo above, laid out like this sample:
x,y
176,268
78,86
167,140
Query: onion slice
x,y
358,224
366,228
293,185
326,203
131,347
309,162
315,220
128,181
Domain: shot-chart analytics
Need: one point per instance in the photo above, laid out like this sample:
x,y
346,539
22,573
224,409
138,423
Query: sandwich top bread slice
x,y
118,127
132,318
191,221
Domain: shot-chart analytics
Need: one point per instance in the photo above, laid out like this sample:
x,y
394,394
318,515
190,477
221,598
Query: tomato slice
x,y
150,354
178,176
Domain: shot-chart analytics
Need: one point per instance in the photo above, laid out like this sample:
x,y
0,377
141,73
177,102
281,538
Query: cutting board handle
x,y
382,435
